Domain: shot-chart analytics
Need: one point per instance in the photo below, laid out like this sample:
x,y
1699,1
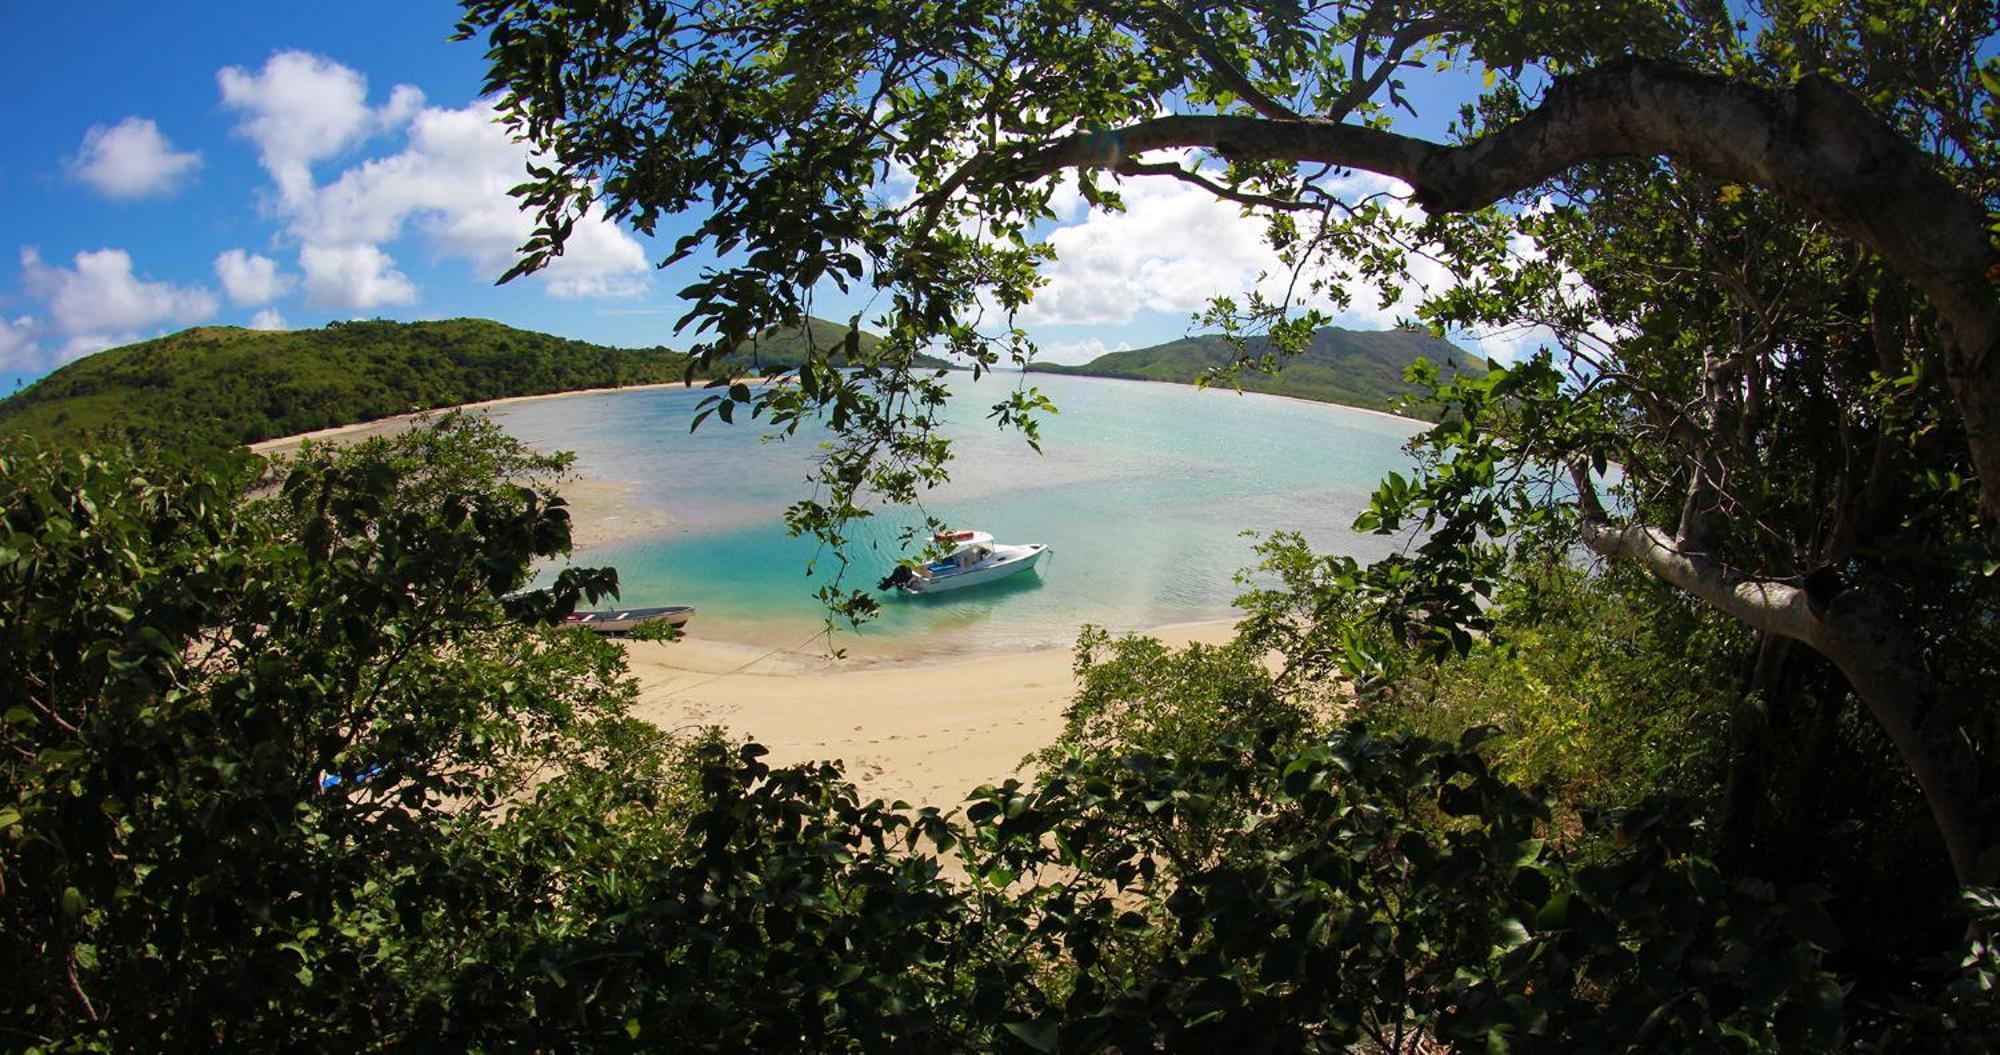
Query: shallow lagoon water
x,y
1142,491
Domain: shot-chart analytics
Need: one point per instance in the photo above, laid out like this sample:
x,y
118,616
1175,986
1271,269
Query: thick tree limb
x,y
1815,145
1858,631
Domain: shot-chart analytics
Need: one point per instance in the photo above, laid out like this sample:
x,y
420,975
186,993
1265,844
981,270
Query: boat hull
x,y
1007,566
619,621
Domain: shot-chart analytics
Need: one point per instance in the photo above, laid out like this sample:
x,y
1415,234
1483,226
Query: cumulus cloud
x,y
1176,247
301,109
353,277
1075,352
98,301
268,319
450,184
250,279
19,351
1172,249
131,159
447,186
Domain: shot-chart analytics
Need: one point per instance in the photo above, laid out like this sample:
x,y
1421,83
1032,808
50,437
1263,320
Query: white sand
x,y
923,732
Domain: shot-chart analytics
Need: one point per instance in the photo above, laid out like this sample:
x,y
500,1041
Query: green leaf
x,y
1039,1034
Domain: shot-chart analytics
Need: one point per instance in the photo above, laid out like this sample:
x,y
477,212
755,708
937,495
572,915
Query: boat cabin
x,y
972,547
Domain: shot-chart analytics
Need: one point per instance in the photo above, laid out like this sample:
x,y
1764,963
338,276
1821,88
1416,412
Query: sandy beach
x,y
925,732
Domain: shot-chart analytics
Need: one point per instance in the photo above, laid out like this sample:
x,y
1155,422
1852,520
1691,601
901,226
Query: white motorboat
x,y
616,621
975,560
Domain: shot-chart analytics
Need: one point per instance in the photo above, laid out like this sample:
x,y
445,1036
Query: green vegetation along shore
x,y
1359,368
225,385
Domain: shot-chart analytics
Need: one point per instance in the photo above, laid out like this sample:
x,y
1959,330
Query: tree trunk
x,y
1856,630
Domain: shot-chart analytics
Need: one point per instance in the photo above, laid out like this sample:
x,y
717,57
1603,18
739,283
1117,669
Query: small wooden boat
x,y
622,620
975,560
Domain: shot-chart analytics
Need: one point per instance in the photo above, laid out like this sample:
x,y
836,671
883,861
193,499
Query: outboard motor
x,y
901,575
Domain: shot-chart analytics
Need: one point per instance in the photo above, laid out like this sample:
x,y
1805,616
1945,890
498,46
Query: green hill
x,y
1359,368
225,385
779,347
785,348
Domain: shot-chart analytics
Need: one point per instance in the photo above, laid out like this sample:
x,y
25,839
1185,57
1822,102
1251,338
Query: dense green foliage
x,y
227,386
1733,533
1357,368
223,385
302,769
1740,795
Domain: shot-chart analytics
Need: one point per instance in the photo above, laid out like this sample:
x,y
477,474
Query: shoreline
x,y
925,732
603,511
395,423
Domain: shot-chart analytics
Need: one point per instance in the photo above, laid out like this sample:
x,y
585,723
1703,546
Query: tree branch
x,y
1361,89
1225,70
1815,145
1131,167
1857,630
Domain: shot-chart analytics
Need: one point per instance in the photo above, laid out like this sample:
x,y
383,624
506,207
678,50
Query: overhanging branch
x,y
1814,144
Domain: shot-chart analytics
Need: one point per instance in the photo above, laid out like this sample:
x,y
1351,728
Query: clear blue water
x,y
1142,491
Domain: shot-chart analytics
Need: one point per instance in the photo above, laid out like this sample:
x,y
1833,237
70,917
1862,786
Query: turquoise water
x,y
1142,491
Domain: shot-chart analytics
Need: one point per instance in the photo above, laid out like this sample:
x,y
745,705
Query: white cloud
x,y
353,277
1176,247
99,301
302,108
268,319
1172,249
131,159
447,187
19,351
450,184
1074,352
250,279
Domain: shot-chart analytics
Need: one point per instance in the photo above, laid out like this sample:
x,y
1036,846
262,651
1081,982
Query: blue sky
x,y
284,165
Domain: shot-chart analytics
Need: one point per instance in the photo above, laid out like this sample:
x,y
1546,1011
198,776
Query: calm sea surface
x,y
1142,491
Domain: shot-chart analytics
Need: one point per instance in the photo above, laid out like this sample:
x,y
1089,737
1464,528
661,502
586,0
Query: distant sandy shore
x,y
394,425
601,510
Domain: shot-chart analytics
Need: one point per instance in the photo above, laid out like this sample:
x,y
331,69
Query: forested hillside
x,y
226,385
1360,368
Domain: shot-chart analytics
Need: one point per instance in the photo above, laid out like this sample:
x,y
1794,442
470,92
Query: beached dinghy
x,y
619,621
974,561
